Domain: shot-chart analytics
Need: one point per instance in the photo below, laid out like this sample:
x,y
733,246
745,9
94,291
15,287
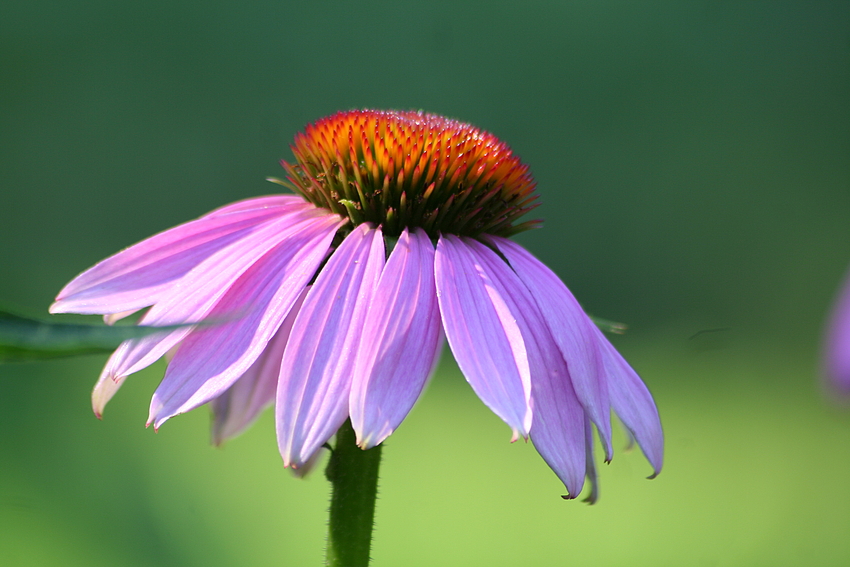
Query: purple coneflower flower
x,y
837,356
333,303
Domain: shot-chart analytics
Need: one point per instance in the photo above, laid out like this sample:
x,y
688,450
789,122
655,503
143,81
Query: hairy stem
x,y
353,474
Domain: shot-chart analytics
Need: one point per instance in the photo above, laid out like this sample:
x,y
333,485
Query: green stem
x,y
353,474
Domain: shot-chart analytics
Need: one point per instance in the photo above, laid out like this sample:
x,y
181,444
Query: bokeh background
x,y
693,159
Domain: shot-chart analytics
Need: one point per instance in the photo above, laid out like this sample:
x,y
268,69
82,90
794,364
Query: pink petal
x,y
241,404
480,321
198,291
633,403
211,358
558,429
573,332
109,383
592,475
315,377
266,202
138,276
106,387
837,355
401,341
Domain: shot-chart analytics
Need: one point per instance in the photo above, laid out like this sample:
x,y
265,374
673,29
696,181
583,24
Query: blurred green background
x,y
693,160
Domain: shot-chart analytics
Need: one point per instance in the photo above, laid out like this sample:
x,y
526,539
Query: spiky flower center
x,y
411,169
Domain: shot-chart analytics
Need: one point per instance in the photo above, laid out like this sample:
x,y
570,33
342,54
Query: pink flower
x,y
837,355
333,303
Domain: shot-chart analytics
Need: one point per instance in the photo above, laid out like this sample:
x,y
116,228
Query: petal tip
x,y
367,442
217,436
516,434
287,461
155,422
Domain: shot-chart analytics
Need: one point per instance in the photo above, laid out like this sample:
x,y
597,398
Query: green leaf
x,y
22,338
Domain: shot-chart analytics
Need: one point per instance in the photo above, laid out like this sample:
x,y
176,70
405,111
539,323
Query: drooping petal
x,y
633,403
109,383
198,291
592,475
558,431
402,337
837,355
481,328
558,428
573,332
211,358
139,276
106,387
241,404
315,376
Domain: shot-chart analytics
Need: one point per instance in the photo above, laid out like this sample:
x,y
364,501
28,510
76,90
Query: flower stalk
x,y
353,474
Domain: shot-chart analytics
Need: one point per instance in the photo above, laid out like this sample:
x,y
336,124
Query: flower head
x,y
402,170
837,355
334,303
